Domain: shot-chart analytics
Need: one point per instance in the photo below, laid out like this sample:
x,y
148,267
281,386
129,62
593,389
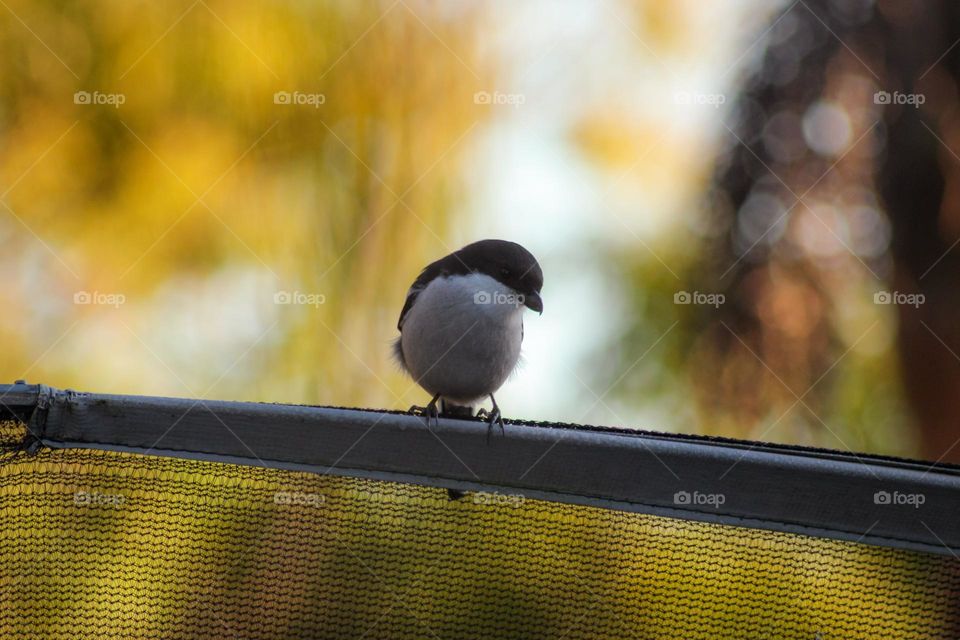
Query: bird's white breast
x,y
461,338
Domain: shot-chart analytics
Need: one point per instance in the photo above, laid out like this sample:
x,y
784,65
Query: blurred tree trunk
x,y
918,178
901,46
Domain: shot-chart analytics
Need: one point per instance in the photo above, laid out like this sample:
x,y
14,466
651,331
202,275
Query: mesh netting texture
x,y
115,545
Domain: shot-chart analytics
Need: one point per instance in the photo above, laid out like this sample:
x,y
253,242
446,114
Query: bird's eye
x,y
504,271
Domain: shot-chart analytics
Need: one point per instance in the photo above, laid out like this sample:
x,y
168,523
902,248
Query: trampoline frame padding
x,y
862,498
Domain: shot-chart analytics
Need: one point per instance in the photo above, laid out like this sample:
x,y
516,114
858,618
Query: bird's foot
x,y
428,412
493,417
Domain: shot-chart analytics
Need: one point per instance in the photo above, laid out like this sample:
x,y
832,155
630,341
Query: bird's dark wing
x,y
411,298
449,265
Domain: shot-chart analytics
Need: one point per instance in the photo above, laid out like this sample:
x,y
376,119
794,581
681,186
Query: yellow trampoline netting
x,y
104,544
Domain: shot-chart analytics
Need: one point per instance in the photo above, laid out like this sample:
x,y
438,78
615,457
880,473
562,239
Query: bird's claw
x,y
493,417
428,412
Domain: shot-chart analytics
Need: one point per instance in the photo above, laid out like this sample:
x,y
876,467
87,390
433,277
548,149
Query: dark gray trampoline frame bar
x,y
812,492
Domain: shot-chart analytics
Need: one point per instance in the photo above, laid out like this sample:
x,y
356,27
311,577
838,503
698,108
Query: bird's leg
x,y
494,417
430,411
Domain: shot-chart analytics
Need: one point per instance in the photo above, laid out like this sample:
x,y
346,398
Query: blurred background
x,y
747,212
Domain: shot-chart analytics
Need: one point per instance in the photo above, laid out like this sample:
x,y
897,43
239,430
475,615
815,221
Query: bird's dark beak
x,y
533,301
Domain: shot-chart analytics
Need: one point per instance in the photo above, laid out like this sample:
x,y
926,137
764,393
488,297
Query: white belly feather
x,y
461,338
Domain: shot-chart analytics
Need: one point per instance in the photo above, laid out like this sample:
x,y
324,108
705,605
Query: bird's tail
x,y
397,349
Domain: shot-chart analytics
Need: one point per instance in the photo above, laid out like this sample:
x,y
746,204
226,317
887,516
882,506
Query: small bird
x,y
462,325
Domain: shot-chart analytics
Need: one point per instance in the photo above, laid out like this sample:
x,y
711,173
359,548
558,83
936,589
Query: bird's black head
x,y
508,263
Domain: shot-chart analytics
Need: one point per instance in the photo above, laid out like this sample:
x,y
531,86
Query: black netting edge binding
x,y
664,435
46,396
